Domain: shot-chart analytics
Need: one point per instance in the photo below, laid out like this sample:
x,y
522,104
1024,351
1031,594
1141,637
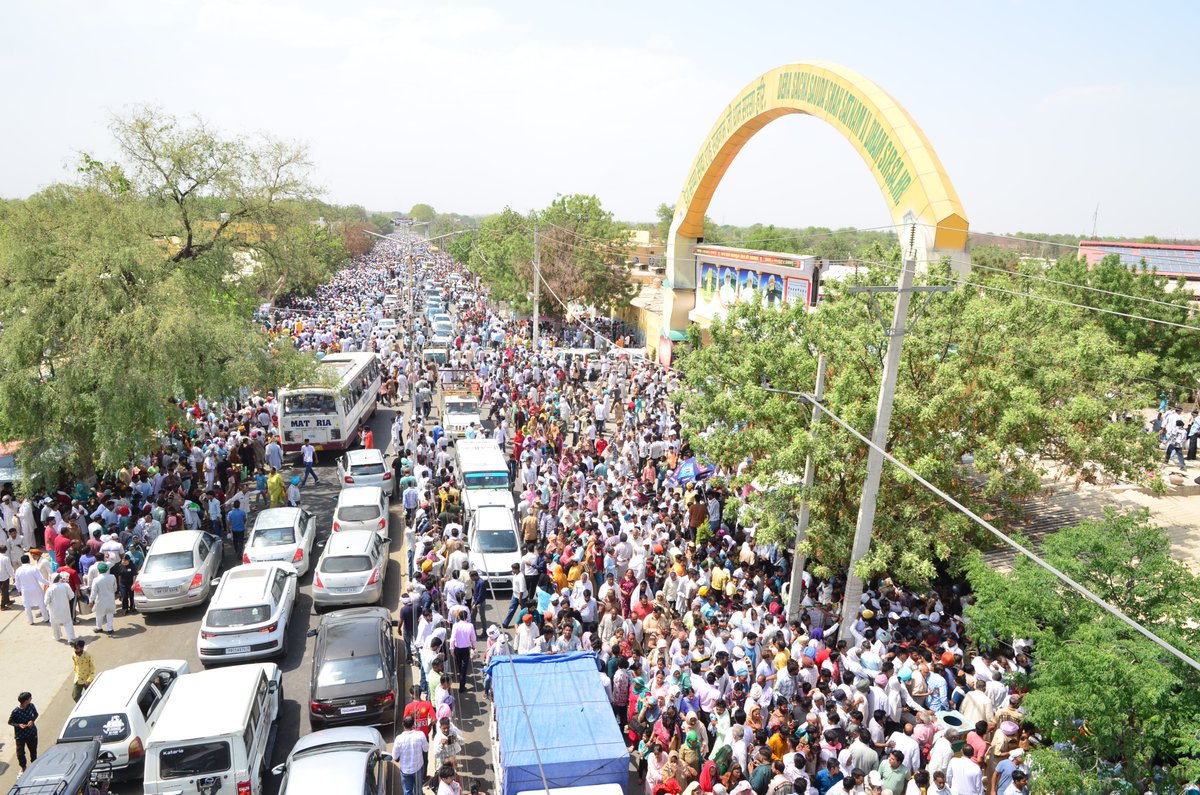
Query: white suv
x,y
248,615
365,467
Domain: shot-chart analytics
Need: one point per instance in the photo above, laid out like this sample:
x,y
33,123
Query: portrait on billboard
x,y
748,286
771,286
708,281
796,291
728,291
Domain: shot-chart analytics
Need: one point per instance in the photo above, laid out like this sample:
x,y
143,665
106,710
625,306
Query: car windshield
x,y
193,760
496,541
358,513
345,564
367,469
309,403
350,671
109,727
345,745
238,616
161,562
487,480
273,536
466,407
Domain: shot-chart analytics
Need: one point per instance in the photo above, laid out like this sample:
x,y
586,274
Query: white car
x,y
442,317
365,467
249,614
328,760
121,706
461,412
362,508
385,326
282,534
179,571
493,545
351,570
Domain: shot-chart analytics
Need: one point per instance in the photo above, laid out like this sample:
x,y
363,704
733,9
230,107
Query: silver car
x,y
351,569
345,759
178,571
282,534
365,467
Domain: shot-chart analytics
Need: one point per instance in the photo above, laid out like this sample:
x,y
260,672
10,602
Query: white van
x,y
121,706
482,468
216,734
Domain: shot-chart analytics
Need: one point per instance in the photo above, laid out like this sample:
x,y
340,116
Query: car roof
x,y
494,512
362,456
360,495
118,686
350,542
341,734
178,541
345,632
184,718
249,581
277,517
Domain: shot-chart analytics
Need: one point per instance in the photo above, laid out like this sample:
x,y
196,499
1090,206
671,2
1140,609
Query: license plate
x,y
352,710
237,650
102,775
343,590
318,447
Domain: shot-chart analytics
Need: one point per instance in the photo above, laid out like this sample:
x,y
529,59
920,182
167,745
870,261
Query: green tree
x,y
422,213
1141,705
130,290
992,391
501,253
665,213
584,253
382,223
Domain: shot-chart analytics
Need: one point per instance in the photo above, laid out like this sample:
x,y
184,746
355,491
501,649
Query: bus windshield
x,y
486,480
309,403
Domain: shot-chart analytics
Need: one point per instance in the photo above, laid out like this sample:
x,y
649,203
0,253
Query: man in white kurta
x,y
104,598
58,603
30,582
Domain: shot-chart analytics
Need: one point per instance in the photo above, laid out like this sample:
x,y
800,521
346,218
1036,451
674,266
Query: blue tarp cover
x,y
577,737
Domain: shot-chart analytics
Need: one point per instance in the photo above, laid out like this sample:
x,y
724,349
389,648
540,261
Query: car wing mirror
x,y
312,633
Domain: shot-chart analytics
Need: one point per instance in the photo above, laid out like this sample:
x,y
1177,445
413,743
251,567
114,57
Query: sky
x,y
1047,116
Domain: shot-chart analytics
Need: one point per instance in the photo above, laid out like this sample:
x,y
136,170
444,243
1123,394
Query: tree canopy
x,y
136,286
1115,709
993,391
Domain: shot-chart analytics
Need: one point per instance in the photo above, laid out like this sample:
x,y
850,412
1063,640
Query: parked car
x,y
365,467
178,572
282,534
361,509
120,707
325,761
351,569
217,734
248,615
354,676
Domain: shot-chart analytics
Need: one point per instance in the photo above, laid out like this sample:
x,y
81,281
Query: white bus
x,y
331,416
482,473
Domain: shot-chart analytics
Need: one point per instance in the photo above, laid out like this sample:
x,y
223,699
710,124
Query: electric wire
x,y
1003,537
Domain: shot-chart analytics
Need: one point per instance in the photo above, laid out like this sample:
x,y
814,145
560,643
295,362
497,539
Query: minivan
x,y
362,508
217,733
121,706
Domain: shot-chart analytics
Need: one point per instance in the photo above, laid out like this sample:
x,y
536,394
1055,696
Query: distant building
x,y
1169,261
643,252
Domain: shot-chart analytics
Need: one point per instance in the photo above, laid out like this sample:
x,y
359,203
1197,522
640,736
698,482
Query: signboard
x,y
726,277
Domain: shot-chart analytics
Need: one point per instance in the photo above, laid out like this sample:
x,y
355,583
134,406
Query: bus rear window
x,y
309,403
486,480
193,760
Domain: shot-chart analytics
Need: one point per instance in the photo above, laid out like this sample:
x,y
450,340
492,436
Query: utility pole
x,y
799,560
883,416
537,285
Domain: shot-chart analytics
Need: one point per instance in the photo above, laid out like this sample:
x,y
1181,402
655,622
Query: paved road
x,y
33,661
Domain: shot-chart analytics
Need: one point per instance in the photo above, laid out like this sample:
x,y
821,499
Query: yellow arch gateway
x,y
923,204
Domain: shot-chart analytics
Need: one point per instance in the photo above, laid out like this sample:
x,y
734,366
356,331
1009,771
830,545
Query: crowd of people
x,y
714,686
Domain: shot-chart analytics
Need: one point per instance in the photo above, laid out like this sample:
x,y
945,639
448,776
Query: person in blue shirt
x,y
478,596
237,527
827,778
